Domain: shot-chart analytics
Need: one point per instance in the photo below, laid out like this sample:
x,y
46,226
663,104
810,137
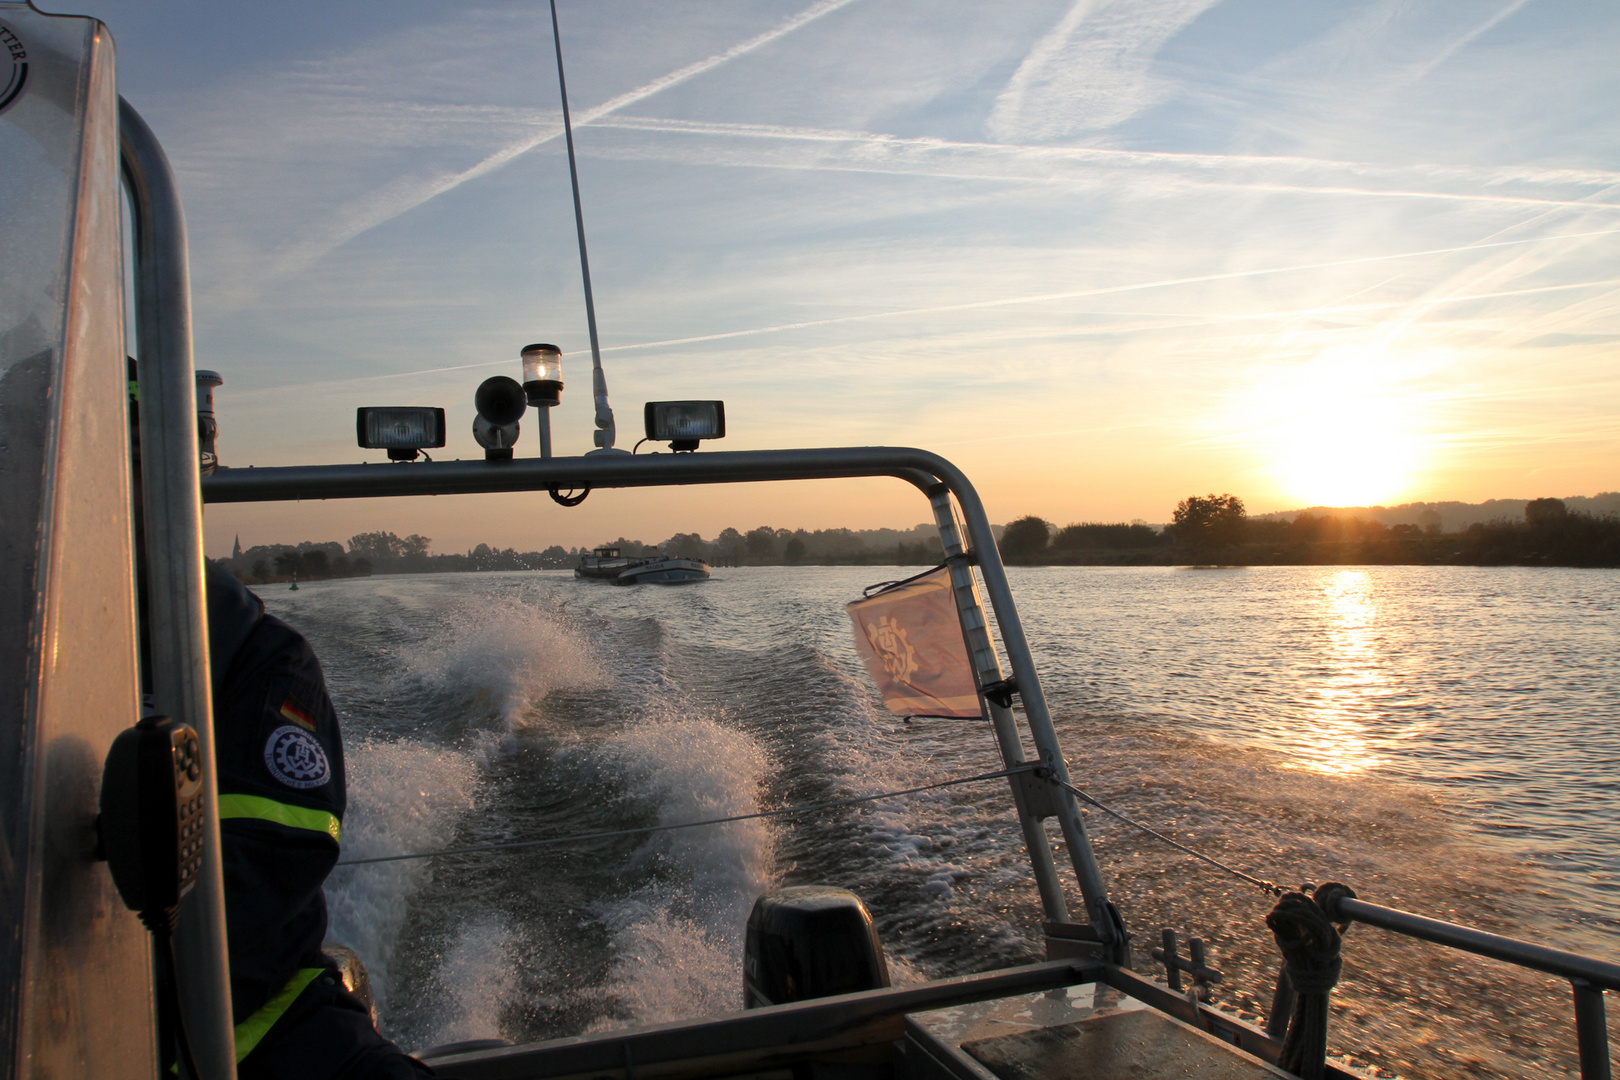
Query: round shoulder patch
x,y
13,67
295,758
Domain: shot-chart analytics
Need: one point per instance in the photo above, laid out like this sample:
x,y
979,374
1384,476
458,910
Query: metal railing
x,y
171,521
933,475
1588,977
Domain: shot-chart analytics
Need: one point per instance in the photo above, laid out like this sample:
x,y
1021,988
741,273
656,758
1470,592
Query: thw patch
x,y
296,759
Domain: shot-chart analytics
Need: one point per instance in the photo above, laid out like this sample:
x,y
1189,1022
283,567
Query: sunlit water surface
x,y
1442,739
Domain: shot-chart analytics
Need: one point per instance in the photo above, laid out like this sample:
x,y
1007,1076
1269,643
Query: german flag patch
x,y
295,712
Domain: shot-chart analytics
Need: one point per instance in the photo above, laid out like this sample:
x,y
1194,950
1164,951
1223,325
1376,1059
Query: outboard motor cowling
x,y
807,942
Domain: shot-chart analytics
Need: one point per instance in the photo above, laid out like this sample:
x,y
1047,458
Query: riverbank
x,y
1575,542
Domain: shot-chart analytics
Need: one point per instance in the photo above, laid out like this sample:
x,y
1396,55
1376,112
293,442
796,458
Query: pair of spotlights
x,y
405,431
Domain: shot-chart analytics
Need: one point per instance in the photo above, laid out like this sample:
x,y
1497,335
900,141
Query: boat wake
x,y
484,709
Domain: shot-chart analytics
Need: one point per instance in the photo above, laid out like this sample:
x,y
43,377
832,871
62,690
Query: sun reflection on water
x,y
1352,681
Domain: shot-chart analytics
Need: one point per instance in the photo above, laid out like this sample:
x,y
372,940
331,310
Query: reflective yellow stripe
x,y
255,1027
297,817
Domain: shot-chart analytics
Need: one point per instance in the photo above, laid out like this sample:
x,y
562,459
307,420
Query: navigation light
x,y
542,374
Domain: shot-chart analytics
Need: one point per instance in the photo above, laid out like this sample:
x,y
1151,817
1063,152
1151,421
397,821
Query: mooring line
x,y
806,809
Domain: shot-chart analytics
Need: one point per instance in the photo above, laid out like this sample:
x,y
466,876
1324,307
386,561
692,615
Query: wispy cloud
x,y
1114,215
1091,70
407,194
1409,309
809,149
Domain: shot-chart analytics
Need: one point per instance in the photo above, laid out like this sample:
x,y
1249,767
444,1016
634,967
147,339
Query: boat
x,y
77,996
611,565
664,570
604,564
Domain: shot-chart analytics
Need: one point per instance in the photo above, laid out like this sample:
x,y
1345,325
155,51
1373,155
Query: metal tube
x,y
1282,1005
604,412
1035,711
172,520
987,669
1597,973
542,425
1591,1030
655,470
1172,971
462,477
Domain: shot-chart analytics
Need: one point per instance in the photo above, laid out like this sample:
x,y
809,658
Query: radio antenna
x,y
604,434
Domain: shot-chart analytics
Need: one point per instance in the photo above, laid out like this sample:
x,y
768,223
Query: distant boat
x,y
611,564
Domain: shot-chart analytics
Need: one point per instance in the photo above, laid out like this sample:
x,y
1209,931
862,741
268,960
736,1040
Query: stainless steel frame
x,y
171,515
75,964
1588,978
1035,798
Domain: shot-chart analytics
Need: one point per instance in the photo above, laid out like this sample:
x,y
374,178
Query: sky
x,y
1101,254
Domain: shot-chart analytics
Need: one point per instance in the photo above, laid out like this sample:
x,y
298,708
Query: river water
x,y
1443,739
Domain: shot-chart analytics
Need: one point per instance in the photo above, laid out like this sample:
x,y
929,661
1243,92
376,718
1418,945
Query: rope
x,y
1265,886
806,809
1310,943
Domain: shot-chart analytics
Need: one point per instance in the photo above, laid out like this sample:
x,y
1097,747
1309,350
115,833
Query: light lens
x,y
542,363
399,427
685,421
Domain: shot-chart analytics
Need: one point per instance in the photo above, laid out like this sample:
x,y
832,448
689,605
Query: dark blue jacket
x,y
281,791
281,802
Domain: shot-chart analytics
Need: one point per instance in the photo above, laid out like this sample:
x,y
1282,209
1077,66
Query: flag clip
x,y
1001,691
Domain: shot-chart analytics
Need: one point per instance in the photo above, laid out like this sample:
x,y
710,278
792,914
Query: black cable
x,y
567,500
884,586
636,447
163,937
1266,886
694,824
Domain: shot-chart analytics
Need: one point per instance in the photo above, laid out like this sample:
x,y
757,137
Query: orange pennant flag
x,y
911,641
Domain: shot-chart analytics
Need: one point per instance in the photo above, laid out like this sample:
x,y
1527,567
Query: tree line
x,y
1217,529
1205,529
387,553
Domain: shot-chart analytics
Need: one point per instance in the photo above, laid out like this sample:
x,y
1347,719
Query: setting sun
x,y
1343,430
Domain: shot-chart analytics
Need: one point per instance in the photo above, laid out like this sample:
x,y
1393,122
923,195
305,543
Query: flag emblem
x,y
910,638
292,711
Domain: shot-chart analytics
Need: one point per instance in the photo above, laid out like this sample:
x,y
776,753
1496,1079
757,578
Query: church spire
x,y
236,552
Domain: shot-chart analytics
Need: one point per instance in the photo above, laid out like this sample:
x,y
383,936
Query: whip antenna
x,y
604,412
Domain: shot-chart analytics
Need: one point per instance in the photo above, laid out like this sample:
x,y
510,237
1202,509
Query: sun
x,y
1343,430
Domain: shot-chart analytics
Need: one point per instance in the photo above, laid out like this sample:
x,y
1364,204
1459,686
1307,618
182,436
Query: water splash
x,y
677,941
502,655
403,796
474,983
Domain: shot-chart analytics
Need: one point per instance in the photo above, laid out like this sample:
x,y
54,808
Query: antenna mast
x,y
604,434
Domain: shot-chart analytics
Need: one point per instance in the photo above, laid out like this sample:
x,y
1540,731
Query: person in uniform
x,y
279,767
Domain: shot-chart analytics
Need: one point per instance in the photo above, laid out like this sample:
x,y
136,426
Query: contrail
x,y
1105,291
885,155
1010,301
400,198
1113,156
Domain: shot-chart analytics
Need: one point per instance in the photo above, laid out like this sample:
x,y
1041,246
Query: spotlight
x,y
403,430
500,402
683,423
